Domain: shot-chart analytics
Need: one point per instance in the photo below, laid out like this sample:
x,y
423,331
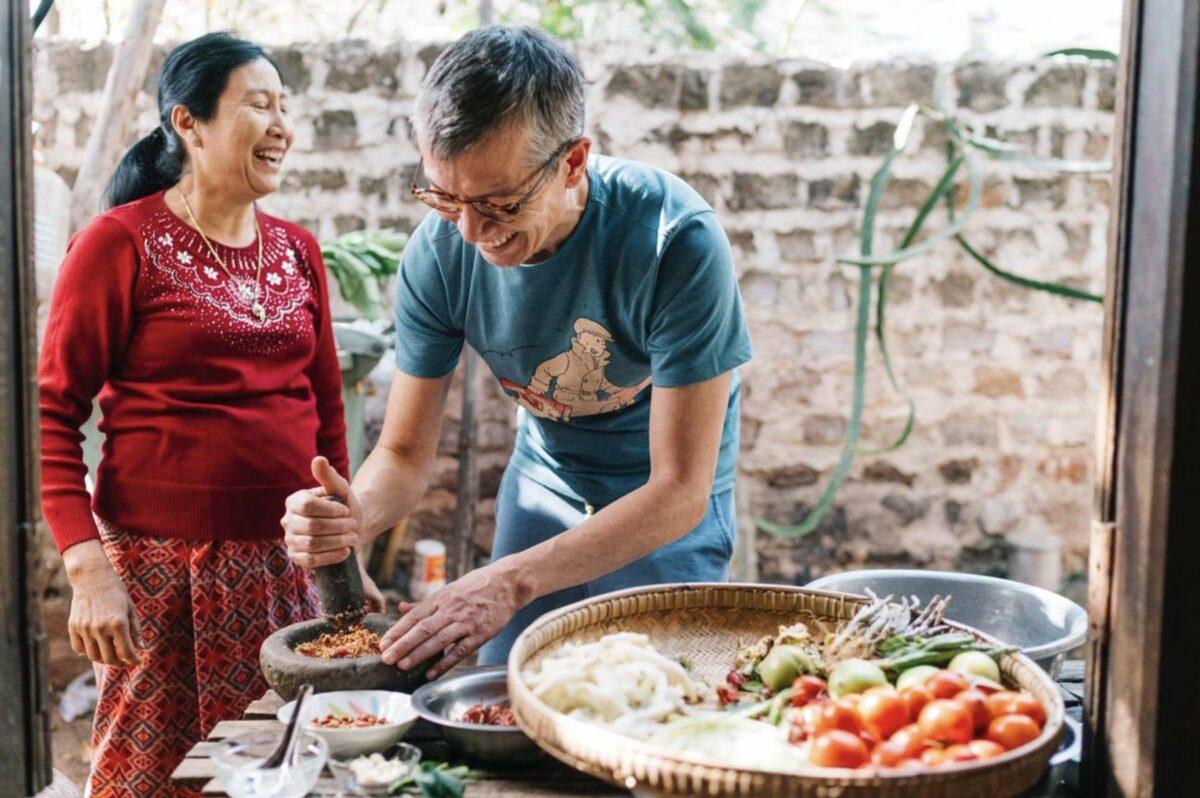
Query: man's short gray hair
x,y
495,76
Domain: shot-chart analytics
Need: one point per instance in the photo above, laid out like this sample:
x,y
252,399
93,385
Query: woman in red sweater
x,y
203,325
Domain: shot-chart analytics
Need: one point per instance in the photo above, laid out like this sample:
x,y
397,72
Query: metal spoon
x,y
286,750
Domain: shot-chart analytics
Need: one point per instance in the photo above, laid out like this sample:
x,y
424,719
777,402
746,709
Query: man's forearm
x,y
388,486
628,529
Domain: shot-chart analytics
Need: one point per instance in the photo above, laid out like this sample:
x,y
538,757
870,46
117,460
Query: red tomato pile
x,y
941,721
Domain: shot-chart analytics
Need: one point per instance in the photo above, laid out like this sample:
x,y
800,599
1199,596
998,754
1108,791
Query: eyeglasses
x,y
446,202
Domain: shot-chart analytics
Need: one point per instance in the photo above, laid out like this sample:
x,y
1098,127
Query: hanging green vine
x,y
963,149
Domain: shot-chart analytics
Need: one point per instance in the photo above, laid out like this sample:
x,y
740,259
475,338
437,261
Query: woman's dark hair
x,y
193,75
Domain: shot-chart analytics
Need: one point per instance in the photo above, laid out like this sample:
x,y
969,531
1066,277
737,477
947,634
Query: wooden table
x,y
549,778
545,778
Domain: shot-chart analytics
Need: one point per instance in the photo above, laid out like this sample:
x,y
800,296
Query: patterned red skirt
x,y
203,610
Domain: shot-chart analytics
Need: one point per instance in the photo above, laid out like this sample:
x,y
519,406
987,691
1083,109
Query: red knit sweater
x,y
211,416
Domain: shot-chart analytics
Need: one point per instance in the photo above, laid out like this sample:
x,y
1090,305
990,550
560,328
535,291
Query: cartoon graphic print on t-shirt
x,y
573,382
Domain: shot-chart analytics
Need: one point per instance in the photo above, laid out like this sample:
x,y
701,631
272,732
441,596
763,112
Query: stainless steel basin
x,y
443,701
1044,625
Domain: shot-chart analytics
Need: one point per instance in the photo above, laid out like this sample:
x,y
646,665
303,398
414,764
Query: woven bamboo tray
x,y
705,623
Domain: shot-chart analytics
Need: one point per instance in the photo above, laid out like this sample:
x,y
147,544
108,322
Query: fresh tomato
x,y
822,716
838,749
915,698
1013,731
847,714
851,700
883,711
806,688
985,686
946,684
886,755
932,757
1010,703
999,701
728,694
975,703
985,749
945,721
910,739
960,752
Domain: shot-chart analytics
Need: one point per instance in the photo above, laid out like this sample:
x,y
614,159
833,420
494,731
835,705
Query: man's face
x,y
592,344
497,170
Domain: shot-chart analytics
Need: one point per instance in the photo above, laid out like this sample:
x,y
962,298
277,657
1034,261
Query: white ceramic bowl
x,y
396,708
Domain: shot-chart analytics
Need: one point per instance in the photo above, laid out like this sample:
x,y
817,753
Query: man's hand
x,y
456,620
102,624
318,530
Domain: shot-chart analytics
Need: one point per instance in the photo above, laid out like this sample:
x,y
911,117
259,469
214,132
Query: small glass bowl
x,y
408,755
238,759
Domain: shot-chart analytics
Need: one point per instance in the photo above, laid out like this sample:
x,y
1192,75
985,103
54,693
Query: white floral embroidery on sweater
x,y
182,266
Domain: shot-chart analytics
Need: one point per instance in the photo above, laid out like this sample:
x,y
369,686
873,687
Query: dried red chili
x,y
356,642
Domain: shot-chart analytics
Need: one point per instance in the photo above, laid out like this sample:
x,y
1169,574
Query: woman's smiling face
x,y
242,147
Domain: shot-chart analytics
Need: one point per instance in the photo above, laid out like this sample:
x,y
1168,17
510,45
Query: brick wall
x,y
1005,381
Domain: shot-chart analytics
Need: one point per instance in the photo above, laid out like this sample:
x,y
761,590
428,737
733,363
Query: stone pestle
x,y
340,588
340,591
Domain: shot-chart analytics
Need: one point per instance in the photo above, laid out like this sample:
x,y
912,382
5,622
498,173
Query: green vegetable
x,y
915,675
977,663
854,676
434,780
901,652
783,664
440,784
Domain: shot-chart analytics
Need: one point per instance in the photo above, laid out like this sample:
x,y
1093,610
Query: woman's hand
x,y
102,624
319,530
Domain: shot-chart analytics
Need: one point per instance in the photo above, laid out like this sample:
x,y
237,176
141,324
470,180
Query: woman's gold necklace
x,y
249,294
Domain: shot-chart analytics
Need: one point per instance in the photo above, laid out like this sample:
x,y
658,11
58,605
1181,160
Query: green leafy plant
x,y
964,148
434,779
361,262
1094,53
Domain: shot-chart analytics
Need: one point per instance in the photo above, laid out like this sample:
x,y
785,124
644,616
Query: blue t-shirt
x,y
641,293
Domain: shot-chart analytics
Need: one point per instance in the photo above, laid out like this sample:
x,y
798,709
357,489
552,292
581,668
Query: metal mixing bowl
x,y
1044,625
443,701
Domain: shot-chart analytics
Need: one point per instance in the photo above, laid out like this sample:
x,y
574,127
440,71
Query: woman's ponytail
x,y
154,163
193,75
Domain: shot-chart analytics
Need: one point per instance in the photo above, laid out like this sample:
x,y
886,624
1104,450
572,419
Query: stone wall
x,y
1004,380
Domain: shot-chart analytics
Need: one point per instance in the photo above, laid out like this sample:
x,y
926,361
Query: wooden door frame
x,y
1145,597
24,725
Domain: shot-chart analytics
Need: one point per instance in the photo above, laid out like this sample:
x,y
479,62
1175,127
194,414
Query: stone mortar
x,y
285,669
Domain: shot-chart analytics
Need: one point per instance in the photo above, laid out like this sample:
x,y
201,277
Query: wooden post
x,y
24,724
462,553
1146,602
111,128
1103,528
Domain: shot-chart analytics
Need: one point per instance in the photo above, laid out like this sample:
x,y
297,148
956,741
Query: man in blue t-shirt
x,y
601,293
